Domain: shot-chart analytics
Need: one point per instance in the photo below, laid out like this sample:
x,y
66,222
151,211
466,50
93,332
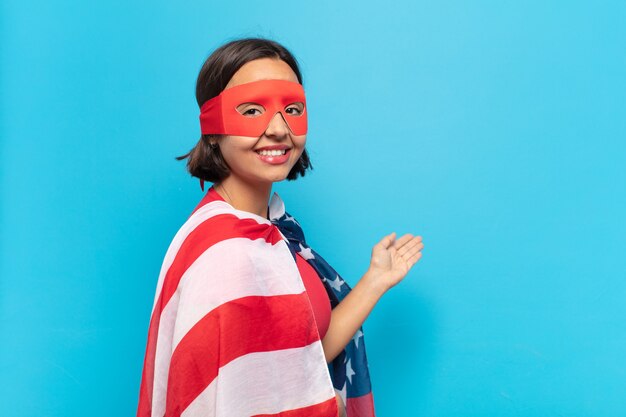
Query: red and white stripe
x,y
232,331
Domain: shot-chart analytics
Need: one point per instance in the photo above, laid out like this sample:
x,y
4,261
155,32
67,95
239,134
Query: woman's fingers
x,y
413,259
409,245
417,249
412,255
402,241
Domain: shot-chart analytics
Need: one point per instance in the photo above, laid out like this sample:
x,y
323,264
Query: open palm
x,y
393,258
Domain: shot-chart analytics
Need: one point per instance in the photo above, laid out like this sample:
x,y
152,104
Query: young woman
x,y
248,319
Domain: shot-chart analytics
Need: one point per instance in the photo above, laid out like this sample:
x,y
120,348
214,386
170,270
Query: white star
x,y
358,334
349,372
336,283
306,253
288,218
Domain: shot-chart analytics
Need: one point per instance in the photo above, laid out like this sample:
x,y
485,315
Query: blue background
x,y
496,130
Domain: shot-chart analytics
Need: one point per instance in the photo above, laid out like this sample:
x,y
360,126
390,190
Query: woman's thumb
x,y
388,240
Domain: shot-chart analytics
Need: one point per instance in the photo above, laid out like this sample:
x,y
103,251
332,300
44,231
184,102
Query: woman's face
x,y
242,153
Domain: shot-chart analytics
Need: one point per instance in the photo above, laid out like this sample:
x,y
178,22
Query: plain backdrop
x,y
494,129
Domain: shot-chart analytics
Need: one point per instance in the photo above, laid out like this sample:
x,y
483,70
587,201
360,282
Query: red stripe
x,y
211,195
362,406
205,235
326,409
147,378
264,323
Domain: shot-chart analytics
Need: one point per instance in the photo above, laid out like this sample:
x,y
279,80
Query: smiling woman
x,y
259,109
221,71
248,320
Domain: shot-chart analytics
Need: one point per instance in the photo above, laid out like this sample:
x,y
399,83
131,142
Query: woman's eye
x,y
295,110
252,112
250,109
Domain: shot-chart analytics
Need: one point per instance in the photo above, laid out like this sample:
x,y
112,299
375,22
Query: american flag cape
x,y
232,332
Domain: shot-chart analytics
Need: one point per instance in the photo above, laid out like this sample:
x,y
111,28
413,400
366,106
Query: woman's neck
x,y
253,198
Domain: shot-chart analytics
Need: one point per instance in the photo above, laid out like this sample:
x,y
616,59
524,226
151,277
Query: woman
x,y
249,320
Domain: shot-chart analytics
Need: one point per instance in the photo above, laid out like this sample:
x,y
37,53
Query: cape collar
x,y
276,205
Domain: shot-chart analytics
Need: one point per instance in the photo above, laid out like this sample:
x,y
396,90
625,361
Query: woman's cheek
x,y
300,144
297,156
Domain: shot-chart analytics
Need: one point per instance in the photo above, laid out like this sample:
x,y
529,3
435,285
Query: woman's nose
x,y
278,126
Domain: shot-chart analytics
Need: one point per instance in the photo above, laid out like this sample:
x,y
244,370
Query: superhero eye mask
x,y
220,116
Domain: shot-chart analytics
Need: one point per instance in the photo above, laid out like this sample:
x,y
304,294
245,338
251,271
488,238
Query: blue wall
x,y
496,130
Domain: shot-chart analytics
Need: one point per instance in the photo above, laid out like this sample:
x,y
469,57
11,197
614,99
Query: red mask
x,y
219,115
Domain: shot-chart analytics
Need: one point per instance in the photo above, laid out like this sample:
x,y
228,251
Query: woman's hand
x,y
393,258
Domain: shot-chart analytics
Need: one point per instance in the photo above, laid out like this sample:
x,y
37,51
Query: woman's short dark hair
x,y
206,162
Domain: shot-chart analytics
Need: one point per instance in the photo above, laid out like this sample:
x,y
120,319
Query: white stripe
x,y
163,354
276,206
231,269
266,383
204,213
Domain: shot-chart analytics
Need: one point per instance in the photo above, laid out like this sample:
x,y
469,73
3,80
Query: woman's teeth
x,y
272,152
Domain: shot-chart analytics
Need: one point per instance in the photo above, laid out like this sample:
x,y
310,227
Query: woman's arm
x,y
391,261
349,315
340,405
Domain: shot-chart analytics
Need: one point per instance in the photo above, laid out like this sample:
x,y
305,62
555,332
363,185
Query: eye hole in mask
x,y
247,109
256,110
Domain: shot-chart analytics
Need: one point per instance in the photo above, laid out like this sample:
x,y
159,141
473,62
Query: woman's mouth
x,y
274,156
